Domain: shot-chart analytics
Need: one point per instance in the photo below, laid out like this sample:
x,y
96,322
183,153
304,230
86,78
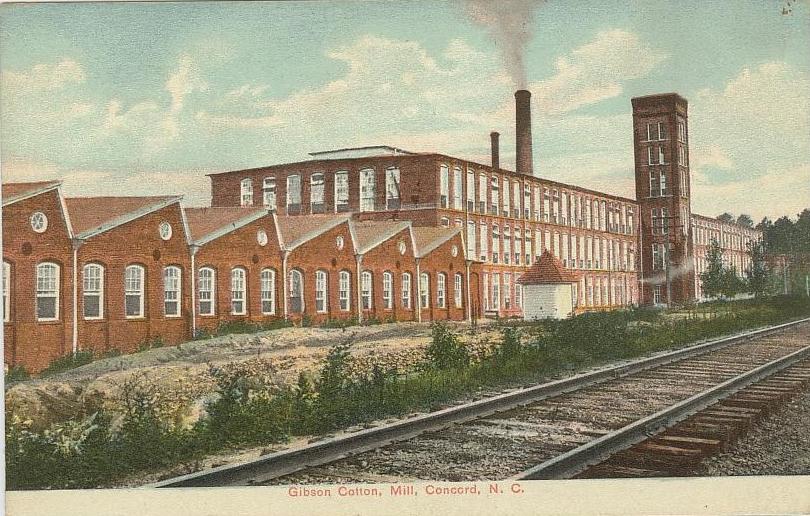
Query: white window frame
x,y
47,288
388,290
368,188
406,290
424,290
134,287
292,276
393,195
293,192
6,291
269,190
95,290
345,291
238,290
172,290
458,289
246,192
321,292
341,190
317,187
367,290
458,188
267,290
441,290
206,290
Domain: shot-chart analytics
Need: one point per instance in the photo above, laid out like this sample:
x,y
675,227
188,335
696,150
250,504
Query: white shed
x,y
547,290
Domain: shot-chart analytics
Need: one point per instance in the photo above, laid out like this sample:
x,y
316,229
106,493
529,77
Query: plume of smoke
x,y
509,23
674,272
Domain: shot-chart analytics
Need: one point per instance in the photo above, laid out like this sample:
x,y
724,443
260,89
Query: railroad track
x,y
554,430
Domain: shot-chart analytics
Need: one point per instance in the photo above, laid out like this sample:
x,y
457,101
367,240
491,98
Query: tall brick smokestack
x,y
523,132
496,149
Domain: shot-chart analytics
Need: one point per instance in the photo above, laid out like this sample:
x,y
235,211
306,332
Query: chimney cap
x,y
523,93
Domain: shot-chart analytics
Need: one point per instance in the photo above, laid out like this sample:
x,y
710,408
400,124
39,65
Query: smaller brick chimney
x,y
496,149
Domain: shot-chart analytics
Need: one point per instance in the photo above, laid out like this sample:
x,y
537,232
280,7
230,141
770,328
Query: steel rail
x,y
289,461
597,451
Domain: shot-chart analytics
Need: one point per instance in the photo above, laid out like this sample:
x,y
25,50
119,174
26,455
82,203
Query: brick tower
x,y
661,148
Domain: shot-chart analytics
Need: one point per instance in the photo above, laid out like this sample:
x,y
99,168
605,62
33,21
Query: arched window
x,y
47,292
246,191
441,290
206,284
366,289
406,290
424,289
388,290
296,280
6,287
457,290
444,185
267,289
238,285
345,290
171,291
133,291
269,190
321,291
93,291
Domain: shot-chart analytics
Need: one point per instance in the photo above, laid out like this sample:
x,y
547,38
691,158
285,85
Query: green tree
x,y
713,278
745,220
758,273
725,217
732,283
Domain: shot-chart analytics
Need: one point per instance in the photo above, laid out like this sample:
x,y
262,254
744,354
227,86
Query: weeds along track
x,y
511,434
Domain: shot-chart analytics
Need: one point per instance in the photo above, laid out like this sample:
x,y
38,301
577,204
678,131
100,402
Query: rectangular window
x,y
93,291
6,286
320,292
366,290
316,193
681,131
652,131
406,290
269,192
482,193
171,291
344,291
486,291
470,191
495,189
268,291
441,290
392,191
505,197
538,202
496,245
341,191
367,189
662,155
294,194
133,291
484,243
47,292
470,239
457,290
388,291
246,192
657,294
238,292
516,211
444,186
496,291
527,202
652,155
424,290
663,183
662,134
205,285
458,188
546,205
507,291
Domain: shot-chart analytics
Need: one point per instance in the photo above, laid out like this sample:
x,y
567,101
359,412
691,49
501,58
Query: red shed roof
x,y
13,192
206,224
93,215
547,270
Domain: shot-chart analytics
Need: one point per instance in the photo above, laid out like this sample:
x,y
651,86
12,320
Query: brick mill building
x,y
371,233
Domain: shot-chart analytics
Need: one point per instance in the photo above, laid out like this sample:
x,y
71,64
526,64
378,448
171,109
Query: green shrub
x,y
17,373
445,350
66,362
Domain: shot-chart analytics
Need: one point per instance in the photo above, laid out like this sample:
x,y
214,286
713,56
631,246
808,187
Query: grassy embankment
x,y
141,435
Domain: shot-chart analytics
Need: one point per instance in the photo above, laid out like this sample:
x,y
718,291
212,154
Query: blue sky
x,y
147,98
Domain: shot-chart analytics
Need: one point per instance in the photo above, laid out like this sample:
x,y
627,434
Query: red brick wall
x,y
386,257
321,253
137,243
439,260
240,248
27,341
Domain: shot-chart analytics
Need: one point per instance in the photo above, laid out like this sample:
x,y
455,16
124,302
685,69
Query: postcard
x,y
357,257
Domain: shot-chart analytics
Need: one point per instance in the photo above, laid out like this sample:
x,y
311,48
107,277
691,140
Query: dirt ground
x,y
182,372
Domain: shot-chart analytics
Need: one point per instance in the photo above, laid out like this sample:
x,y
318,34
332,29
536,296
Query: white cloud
x,y
711,155
43,77
594,72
